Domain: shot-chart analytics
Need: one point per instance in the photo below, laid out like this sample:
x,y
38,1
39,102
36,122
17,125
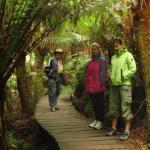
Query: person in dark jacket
x,y
54,79
95,83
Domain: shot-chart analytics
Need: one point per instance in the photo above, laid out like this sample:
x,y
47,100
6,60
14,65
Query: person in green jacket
x,y
122,69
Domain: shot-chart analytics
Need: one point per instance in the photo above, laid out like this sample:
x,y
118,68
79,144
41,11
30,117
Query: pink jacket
x,y
96,75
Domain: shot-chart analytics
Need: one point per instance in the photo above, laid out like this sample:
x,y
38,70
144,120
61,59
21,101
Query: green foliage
x,y
12,82
11,91
66,90
21,19
75,68
13,142
95,21
104,21
30,61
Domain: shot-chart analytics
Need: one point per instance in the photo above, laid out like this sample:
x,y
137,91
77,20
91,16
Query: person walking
x,y
95,78
54,69
122,69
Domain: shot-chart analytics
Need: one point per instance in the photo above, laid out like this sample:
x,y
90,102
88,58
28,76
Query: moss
x,y
38,87
13,142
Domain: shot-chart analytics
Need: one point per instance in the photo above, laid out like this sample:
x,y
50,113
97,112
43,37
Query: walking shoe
x,y
125,136
53,109
93,124
98,125
111,132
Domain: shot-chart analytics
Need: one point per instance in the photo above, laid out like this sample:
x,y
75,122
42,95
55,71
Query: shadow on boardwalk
x,y
71,131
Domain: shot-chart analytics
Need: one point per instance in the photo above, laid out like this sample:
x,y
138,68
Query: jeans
x,y
53,91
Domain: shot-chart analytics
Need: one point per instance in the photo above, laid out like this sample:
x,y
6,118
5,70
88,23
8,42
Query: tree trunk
x,y
26,98
142,22
3,140
39,59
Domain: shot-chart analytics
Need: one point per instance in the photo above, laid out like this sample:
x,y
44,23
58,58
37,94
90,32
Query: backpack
x,y
48,69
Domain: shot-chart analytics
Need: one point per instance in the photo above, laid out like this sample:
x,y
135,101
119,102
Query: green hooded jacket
x,y
123,67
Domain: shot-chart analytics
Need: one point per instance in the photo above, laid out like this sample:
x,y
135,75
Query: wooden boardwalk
x,y
71,131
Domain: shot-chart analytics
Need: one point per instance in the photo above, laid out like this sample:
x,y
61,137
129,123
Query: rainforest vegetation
x,y
29,33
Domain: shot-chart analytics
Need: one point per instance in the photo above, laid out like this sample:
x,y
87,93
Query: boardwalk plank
x,y
71,131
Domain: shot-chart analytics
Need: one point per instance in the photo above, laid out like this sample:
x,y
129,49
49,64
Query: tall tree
x,y
142,25
23,86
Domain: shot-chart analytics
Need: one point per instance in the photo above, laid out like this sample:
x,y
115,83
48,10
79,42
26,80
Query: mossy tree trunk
x,y
26,97
142,22
41,52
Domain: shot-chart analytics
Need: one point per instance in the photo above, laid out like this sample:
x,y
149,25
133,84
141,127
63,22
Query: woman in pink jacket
x,y
95,83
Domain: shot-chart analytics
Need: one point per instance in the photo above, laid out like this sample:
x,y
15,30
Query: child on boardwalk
x,y
123,68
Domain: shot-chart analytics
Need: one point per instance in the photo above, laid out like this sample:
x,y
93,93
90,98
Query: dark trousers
x,y
98,106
